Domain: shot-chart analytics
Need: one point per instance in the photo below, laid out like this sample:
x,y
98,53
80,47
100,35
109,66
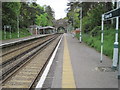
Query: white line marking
x,y
45,73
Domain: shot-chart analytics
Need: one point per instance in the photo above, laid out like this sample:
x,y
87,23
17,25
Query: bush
x,y
23,33
96,31
95,42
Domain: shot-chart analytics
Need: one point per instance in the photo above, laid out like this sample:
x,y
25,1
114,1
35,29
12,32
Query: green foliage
x,y
96,31
91,25
50,15
91,13
10,10
77,35
93,18
42,20
96,41
86,24
73,16
0,34
23,33
26,14
45,19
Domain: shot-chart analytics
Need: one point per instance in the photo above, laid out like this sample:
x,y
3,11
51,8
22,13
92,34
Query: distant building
x,y
35,30
47,30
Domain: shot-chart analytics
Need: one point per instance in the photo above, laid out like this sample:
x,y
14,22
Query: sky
x,y
59,7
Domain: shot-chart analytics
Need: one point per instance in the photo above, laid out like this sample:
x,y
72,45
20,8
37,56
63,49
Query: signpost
x,y
118,5
110,15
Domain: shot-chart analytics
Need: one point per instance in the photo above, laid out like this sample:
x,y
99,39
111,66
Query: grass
x,y
23,33
0,34
95,42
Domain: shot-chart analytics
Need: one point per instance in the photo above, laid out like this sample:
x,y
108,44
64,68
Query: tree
x,y
10,11
91,13
29,13
50,16
42,20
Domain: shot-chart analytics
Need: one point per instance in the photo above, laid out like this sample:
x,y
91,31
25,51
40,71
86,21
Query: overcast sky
x,y
58,6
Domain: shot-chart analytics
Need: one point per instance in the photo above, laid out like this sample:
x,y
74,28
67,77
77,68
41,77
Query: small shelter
x,y
33,29
46,30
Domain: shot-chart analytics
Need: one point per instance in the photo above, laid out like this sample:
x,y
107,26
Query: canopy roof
x,y
40,27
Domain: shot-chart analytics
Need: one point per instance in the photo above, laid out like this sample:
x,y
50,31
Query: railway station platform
x,y
77,65
17,40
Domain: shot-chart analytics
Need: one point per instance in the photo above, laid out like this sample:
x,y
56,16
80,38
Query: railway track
x,y
19,63
17,51
16,57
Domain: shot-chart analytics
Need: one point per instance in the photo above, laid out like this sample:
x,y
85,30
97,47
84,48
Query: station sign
x,y
112,14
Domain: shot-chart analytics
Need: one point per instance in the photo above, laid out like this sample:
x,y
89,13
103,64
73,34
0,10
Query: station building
x,y
35,30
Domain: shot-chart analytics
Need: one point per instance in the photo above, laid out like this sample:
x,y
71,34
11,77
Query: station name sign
x,y
112,14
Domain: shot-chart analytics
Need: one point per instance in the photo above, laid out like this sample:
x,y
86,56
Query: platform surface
x,y
12,41
79,63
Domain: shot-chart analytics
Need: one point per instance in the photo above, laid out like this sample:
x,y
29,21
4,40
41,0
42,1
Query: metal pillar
x,y
80,38
115,52
43,31
10,33
18,26
119,68
119,50
4,32
36,31
102,37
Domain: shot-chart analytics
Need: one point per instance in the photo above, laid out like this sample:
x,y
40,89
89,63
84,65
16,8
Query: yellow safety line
x,y
67,76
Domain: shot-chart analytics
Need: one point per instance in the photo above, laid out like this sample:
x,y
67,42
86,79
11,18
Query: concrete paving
x,y
85,62
54,77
